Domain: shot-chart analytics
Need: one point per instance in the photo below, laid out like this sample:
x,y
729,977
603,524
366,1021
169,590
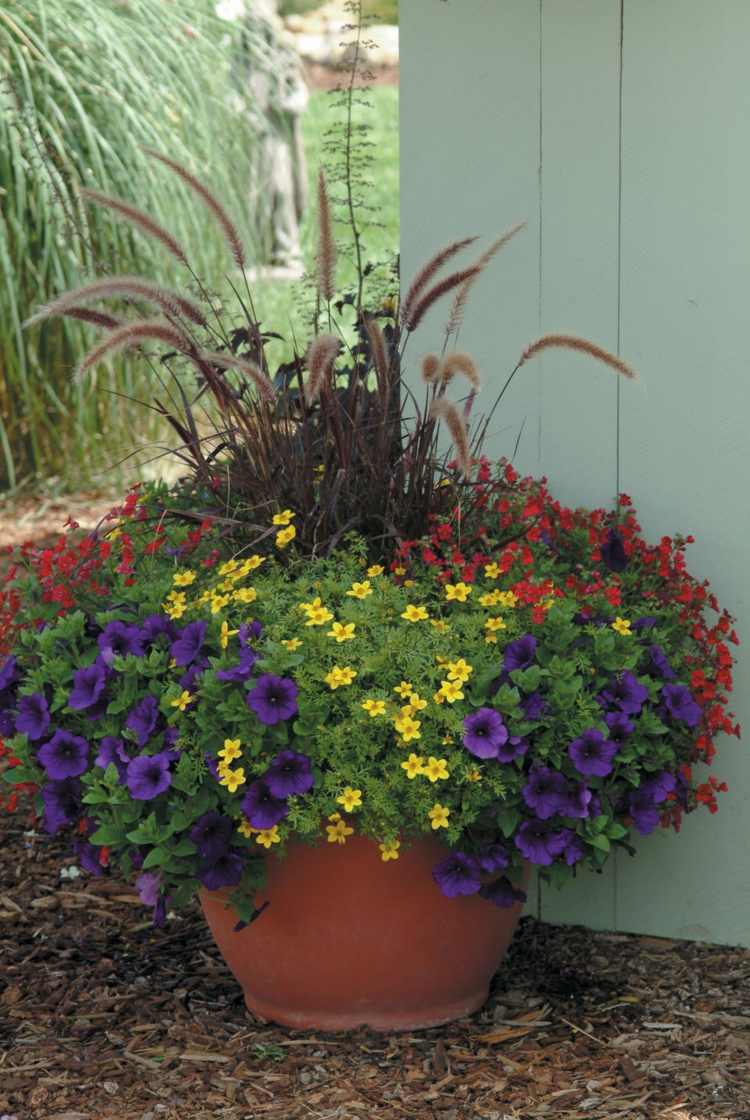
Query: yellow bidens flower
x,y
416,703
218,602
493,624
407,728
246,829
404,689
291,644
622,625
450,691
340,675
414,614
338,832
438,814
360,590
231,750
457,592
245,595
492,571
341,631
459,670
440,625
473,776
318,616
225,635
389,850
375,570
182,701
413,766
268,836
374,707
436,768
285,536
232,779
183,579
175,604
399,570
283,518
507,598
351,799
248,566
491,598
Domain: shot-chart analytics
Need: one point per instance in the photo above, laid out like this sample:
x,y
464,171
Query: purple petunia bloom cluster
x,y
289,775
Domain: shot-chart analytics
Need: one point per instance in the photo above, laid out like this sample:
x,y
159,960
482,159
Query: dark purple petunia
x,y
457,875
645,622
112,752
33,717
502,893
273,699
189,644
626,693
212,835
224,871
88,686
159,916
493,857
7,722
578,802
148,886
484,733
613,552
62,804
117,639
142,719
680,704
9,674
620,727
148,775
289,774
534,706
88,857
189,680
261,808
539,842
642,809
574,851
243,670
546,792
212,765
660,786
592,754
171,735
520,653
659,663
249,632
64,756
157,626
513,749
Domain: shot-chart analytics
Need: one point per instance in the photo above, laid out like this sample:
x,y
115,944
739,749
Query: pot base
x,y
348,1019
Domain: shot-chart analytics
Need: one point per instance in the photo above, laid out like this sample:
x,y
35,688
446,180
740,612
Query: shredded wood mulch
x,y
104,1018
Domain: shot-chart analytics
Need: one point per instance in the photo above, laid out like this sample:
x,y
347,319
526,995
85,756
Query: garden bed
x,y
103,1018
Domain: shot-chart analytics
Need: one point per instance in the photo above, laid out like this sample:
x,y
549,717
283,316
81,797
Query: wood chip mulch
x,y
104,1018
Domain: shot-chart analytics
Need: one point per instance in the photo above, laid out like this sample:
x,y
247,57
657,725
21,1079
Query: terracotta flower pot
x,y
349,940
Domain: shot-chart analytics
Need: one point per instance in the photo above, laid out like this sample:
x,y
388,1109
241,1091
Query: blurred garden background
x,y
82,92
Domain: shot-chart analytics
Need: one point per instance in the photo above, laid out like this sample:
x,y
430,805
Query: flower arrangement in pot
x,y
348,685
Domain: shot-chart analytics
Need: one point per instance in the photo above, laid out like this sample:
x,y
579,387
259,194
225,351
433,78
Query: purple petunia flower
x,y
64,755
493,857
642,809
574,851
88,685
578,802
289,774
613,552
540,843
546,792
7,722
592,754
249,632
212,834
534,706
117,639
273,699
503,893
189,680
33,717
62,804
157,626
212,765
261,808
659,663
457,875
620,727
9,674
624,692
645,622
142,719
189,644
243,670
660,785
148,775
520,653
484,733
88,857
513,749
112,752
680,704
224,871
148,886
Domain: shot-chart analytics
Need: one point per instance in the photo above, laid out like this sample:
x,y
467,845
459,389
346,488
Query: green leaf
x,y
599,840
507,820
157,857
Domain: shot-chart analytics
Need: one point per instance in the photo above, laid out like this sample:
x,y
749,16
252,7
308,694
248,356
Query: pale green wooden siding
x,y
621,133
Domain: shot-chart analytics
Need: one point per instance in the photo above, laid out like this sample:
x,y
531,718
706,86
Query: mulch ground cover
x,y
104,1018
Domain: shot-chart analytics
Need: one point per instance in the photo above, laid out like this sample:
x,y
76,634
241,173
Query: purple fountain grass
x,y
135,287
138,218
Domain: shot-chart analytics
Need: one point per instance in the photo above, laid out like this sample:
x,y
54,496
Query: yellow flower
x,y
375,570
313,606
459,670
245,828
335,817
183,579
404,689
182,701
416,703
450,691
447,740
414,614
340,675
399,570
249,565
413,765
338,832
218,602
389,850
374,708
490,639
351,799
228,567
436,768
473,776
225,635
318,616
491,598
225,585
232,779
291,644
492,571
410,583
232,749
341,631
507,598
438,814
493,624
622,625
285,536
268,836
283,518
440,625
457,592
360,590
174,610
407,728
245,595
